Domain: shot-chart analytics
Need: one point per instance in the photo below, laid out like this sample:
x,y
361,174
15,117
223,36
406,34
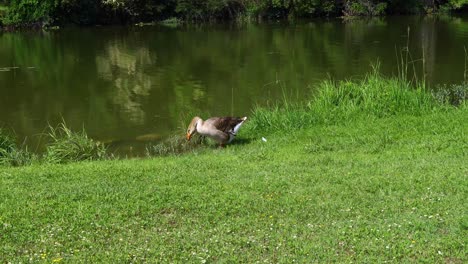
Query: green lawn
x,y
372,190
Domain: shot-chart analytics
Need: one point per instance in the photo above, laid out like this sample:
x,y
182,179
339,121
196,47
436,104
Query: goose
x,y
221,129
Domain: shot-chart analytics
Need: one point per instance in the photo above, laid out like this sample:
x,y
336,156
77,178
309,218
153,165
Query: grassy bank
x,y
339,179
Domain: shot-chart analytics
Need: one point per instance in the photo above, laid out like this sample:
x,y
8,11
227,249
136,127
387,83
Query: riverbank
x,y
367,171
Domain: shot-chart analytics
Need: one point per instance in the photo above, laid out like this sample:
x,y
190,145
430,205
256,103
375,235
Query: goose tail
x,y
236,128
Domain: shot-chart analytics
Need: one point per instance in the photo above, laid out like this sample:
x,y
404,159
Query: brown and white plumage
x,y
221,129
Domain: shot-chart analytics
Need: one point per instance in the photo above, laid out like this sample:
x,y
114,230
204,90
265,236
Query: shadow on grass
x,y
178,145
241,141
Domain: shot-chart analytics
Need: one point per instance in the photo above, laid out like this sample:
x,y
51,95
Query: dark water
x,y
122,83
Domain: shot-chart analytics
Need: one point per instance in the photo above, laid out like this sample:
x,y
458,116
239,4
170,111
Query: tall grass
x,y
69,146
335,101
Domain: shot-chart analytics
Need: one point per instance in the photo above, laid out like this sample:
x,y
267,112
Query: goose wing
x,y
225,124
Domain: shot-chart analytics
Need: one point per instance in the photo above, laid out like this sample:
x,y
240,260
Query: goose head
x,y
192,128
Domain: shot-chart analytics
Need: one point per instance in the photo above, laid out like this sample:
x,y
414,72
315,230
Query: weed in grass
x,y
68,146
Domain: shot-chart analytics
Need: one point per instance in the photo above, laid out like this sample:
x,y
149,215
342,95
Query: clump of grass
x,y
11,155
69,146
173,146
374,95
18,157
338,101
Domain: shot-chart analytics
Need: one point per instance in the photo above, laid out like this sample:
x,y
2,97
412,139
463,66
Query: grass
x,y
343,179
391,189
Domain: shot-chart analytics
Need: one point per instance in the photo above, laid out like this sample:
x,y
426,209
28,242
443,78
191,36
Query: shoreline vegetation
x,y
52,13
375,96
371,170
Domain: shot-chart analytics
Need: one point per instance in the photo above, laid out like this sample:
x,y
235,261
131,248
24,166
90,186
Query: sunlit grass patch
x,y
68,146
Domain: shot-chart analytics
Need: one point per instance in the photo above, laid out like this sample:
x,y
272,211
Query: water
x,y
131,85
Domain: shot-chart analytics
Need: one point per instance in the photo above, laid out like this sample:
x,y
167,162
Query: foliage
x,y
122,11
67,146
3,11
364,8
30,11
456,4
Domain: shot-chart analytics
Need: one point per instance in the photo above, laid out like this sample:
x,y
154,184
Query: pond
x,y
130,85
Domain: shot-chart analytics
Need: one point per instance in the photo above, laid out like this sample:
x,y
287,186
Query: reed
x,y
465,72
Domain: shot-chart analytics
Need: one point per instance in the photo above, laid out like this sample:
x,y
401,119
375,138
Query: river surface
x,y
130,85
